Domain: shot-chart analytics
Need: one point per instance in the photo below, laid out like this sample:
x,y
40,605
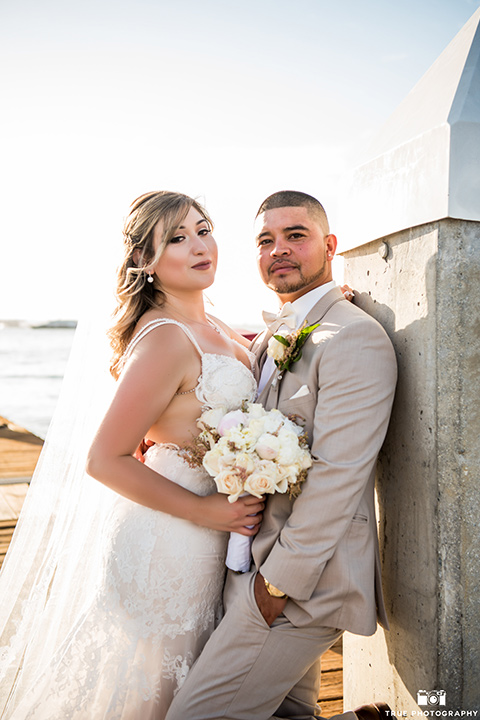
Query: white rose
x,y
263,480
290,451
226,456
284,477
230,483
287,475
267,446
256,428
238,437
293,426
276,349
273,421
255,411
211,418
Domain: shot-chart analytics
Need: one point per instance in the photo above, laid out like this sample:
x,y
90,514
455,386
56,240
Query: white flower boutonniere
x,y
286,350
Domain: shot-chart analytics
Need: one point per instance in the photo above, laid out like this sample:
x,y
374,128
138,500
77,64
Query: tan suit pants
x,y
250,671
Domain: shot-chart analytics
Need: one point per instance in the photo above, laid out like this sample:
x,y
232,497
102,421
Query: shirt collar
x,y
306,302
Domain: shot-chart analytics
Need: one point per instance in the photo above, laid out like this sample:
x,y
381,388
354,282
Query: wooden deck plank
x,y
331,688
19,450
11,500
331,707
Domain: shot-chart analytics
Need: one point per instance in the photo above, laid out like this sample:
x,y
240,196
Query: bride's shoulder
x,y
232,334
155,329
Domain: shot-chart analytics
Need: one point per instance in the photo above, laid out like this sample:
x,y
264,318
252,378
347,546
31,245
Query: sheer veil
x,y
54,560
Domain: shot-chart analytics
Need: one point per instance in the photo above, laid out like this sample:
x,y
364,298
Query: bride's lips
x,y
204,265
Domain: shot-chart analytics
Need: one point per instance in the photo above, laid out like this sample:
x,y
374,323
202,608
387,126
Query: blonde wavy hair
x,y
134,294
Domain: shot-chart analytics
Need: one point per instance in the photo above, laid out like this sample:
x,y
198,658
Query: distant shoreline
x,y
40,324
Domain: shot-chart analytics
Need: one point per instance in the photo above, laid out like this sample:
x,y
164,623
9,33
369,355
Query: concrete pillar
x,y
412,252
428,482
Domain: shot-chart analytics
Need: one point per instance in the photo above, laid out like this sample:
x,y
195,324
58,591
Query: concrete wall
x,y
425,293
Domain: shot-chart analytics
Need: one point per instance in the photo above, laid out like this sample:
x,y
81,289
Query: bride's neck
x,y
189,308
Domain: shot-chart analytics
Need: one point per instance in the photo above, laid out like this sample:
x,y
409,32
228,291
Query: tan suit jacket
x,y
322,548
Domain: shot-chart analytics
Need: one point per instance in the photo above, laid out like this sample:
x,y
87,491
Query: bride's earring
x,y
150,278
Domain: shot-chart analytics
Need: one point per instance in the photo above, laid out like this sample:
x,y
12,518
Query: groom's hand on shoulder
x,y
270,607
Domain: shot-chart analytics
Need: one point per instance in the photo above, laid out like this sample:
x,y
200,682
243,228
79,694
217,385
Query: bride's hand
x,y
348,292
219,514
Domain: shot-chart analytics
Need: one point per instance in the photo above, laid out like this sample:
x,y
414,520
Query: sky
x,y
227,101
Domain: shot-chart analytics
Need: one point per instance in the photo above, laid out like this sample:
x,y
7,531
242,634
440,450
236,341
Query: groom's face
x,y
293,253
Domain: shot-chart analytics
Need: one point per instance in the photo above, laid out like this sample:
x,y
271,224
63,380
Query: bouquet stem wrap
x,y
239,552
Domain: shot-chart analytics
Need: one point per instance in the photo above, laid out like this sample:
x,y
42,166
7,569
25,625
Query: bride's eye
x,y
204,231
177,239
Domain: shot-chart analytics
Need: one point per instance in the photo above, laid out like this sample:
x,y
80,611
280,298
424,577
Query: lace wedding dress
x,y
158,597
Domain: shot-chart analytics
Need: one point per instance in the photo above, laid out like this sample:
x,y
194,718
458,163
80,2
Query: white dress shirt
x,y
302,306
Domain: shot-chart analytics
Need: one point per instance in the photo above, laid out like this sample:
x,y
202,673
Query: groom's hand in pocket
x,y
270,607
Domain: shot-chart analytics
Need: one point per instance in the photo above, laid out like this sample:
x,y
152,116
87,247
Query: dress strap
x,y
250,355
158,323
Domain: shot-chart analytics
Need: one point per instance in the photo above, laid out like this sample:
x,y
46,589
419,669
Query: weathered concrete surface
x,y
426,296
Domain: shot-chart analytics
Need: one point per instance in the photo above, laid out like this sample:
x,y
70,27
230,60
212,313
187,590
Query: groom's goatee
x,y
285,285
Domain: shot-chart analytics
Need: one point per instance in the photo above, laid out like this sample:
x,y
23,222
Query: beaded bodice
x,y
224,380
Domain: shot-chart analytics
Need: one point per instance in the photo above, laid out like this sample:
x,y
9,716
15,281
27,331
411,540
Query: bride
x,y
126,593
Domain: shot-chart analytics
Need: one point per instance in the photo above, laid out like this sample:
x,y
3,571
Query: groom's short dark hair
x,y
295,198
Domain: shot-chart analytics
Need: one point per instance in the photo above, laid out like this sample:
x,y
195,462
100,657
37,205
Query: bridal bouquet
x,y
251,450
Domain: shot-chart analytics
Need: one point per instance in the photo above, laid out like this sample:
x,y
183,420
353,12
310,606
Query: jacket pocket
x,y
362,519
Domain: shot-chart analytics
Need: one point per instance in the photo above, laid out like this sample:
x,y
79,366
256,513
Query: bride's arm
x,y
157,369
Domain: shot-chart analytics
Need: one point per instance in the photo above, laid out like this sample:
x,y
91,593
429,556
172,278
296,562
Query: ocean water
x,y
32,365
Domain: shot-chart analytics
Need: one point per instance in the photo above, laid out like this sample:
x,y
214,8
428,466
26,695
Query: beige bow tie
x,y
286,316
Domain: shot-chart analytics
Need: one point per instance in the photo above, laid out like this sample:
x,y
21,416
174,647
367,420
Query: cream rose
x,y
245,461
230,483
306,460
263,480
211,460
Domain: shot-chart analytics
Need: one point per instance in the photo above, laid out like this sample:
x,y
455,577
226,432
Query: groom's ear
x,y
330,245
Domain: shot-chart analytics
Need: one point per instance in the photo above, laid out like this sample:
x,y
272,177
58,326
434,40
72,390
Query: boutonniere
x,y
287,349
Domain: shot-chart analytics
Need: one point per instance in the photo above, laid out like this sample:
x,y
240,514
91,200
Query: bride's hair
x,y
134,294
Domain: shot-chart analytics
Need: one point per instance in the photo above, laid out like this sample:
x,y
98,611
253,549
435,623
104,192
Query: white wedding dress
x,y
159,595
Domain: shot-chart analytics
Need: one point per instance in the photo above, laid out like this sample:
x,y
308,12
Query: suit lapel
x,y
319,310
315,315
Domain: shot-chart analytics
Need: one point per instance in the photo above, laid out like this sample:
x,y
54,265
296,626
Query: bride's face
x,y
189,260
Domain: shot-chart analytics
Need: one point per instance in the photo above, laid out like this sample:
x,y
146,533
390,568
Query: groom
x,y
316,568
